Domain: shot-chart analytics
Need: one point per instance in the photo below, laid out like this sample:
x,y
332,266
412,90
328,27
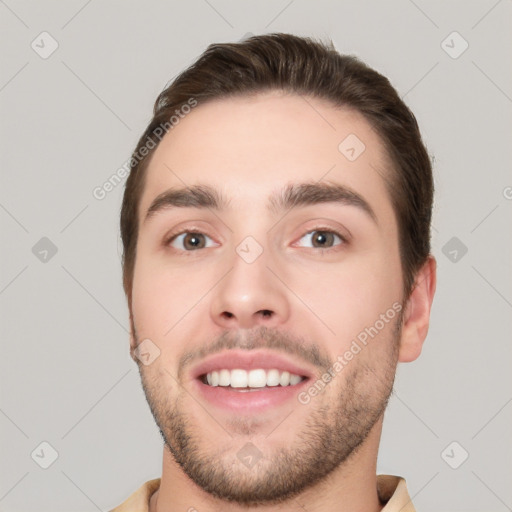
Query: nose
x,y
250,295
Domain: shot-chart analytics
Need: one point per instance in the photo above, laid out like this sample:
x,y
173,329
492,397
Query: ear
x,y
417,312
133,337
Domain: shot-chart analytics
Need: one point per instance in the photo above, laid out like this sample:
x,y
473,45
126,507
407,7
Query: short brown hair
x,y
306,67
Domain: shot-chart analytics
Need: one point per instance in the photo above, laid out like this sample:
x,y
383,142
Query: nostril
x,y
263,312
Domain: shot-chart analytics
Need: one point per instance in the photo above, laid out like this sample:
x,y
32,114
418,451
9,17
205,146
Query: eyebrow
x,y
291,196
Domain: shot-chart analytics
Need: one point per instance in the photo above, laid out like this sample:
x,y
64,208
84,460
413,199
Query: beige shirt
x,y
392,491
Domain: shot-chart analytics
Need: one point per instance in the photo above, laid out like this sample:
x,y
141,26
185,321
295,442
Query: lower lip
x,y
248,401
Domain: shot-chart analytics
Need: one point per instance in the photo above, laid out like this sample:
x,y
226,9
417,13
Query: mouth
x,y
249,382
252,380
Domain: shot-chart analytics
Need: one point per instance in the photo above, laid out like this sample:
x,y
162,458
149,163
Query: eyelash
x,y
322,229
172,236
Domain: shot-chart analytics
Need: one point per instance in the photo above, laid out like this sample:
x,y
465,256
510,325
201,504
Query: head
x,y
279,202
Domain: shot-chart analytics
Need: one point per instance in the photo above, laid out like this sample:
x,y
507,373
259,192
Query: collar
x,y
392,491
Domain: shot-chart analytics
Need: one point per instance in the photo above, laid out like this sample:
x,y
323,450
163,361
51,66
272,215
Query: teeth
x,y
238,379
224,377
273,377
252,379
295,379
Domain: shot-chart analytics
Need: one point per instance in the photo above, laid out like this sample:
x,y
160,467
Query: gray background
x,y
70,120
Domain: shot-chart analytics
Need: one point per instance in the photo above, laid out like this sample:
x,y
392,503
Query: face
x,y
267,293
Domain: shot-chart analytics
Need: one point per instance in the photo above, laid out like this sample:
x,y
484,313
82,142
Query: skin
x,y
186,301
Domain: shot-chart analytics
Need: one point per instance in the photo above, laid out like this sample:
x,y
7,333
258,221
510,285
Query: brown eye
x,y
193,241
322,239
190,241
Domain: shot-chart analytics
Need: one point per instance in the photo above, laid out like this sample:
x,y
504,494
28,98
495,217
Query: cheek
x,y
152,298
163,298
350,296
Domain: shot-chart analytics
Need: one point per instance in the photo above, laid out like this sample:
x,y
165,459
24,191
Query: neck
x,y
352,486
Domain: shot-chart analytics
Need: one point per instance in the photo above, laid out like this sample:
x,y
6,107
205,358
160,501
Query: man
x,y
277,266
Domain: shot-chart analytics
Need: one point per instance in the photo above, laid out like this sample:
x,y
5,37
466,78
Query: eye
x,y
322,239
190,241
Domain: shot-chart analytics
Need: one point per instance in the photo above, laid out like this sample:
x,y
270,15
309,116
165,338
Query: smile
x,y
249,382
255,379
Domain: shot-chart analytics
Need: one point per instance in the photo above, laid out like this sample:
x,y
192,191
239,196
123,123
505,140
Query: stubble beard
x,y
329,437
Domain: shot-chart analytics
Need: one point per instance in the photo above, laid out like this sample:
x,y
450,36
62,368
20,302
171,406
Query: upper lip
x,y
249,360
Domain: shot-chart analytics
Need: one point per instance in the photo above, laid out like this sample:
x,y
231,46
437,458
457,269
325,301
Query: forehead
x,y
251,146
